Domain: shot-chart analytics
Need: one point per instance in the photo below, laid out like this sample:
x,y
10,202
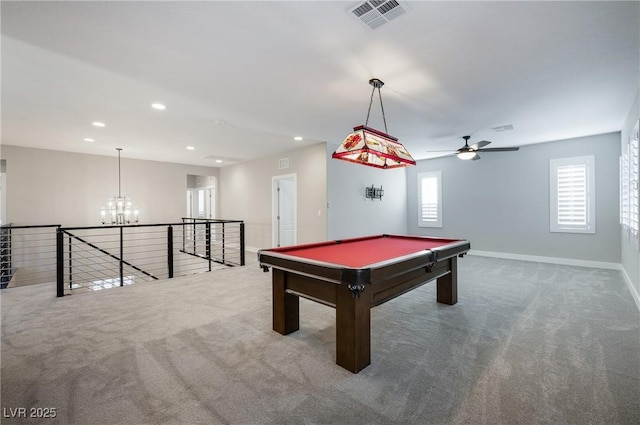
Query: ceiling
x,y
241,79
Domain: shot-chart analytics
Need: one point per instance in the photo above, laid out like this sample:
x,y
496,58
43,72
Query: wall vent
x,y
374,13
283,163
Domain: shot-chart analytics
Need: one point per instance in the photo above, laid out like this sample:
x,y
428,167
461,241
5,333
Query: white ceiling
x,y
241,79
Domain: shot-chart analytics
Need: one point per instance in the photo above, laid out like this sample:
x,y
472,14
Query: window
x,y
629,170
573,195
430,199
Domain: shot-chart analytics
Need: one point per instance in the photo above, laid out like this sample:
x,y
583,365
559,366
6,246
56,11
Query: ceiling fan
x,y
471,151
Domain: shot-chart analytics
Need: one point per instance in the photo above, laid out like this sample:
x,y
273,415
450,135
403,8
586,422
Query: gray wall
x,y
54,187
245,194
630,252
350,214
501,202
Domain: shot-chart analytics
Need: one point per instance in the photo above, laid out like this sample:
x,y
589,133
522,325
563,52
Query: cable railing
x,y
93,258
220,240
101,257
27,254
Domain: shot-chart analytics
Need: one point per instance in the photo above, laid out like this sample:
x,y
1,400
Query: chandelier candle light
x,y
118,210
371,147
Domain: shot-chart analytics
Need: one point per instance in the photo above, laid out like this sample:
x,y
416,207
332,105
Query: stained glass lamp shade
x,y
368,146
371,147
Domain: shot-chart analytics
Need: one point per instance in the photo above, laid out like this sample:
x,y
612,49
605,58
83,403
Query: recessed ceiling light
x,y
158,106
89,139
297,138
218,161
98,124
190,148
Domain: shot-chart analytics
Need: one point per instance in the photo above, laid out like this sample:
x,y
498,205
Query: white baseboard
x,y
566,262
632,289
550,260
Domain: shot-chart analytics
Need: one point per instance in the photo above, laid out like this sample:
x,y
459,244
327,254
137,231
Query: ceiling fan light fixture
x,y
466,155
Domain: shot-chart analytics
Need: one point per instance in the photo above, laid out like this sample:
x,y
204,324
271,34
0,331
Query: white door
x,y
284,210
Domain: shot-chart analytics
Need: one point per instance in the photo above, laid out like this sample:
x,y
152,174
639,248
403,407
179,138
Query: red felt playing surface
x,y
364,251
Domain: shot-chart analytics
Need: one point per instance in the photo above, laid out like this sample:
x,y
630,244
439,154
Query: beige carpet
x,y
527,343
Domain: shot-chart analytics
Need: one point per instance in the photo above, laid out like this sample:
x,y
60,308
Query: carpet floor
x,y
527,343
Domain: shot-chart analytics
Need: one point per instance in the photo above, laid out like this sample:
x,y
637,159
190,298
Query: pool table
x,y
353,275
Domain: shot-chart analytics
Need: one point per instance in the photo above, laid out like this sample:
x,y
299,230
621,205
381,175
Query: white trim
x,y
588,162
550,260
632,289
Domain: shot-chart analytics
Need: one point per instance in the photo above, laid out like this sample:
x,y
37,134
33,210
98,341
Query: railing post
x,y
223,245
170,248
59,263
242,243
184,235
70,265
208,242
121,256
195,237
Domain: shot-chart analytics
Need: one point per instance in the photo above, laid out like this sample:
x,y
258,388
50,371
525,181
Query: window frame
x,y
590,217
438,176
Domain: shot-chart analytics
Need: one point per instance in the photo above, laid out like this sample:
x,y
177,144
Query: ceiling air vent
x,y
502,128
374,13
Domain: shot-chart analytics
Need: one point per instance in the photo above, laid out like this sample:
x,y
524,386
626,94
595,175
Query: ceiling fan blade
x,y
480,144
514,148
475,158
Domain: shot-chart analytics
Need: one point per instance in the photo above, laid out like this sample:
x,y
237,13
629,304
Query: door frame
x,y
274,206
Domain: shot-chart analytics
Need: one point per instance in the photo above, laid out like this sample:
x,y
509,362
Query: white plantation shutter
x,y
572,195
629,181
430,199
624,188
634,170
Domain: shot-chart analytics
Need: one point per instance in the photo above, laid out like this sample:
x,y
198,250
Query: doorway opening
x,y
201,204
201,196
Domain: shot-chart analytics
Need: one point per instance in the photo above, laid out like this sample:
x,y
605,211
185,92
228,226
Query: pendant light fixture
x,y
119,209
368,146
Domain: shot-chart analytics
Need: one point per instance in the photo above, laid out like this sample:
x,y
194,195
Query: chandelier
x,y
371,147
119,209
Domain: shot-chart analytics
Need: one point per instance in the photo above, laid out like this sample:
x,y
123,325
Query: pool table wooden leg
x,y
448,284
286,307
353,329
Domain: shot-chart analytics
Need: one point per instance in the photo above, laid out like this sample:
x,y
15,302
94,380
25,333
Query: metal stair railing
x,y
125,263
27,254
98,257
